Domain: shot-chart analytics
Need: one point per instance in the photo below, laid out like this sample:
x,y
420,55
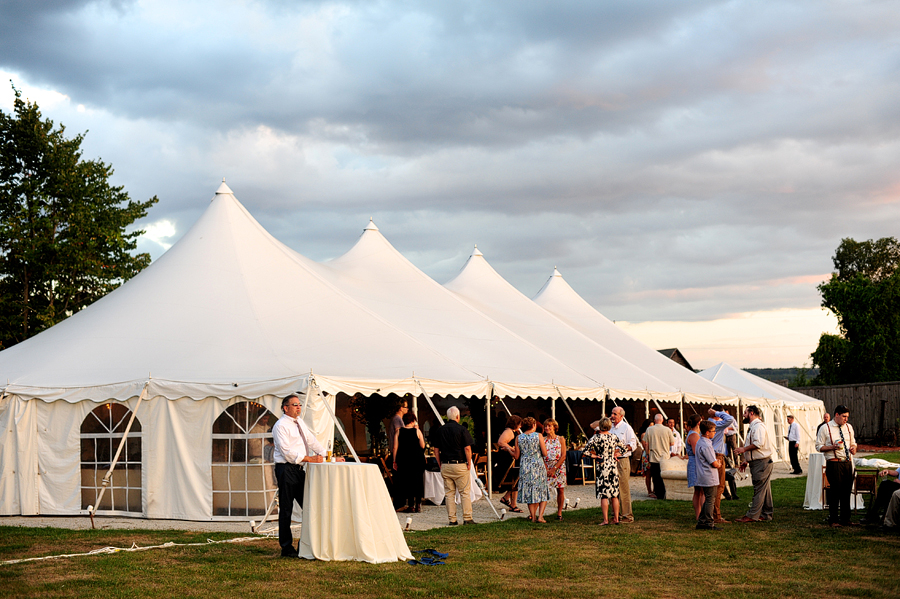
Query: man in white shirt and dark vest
x,y
757,453
295,445
837,441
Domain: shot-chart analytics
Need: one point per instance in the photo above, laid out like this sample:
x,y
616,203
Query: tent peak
x,y
476,251
224,189
371,226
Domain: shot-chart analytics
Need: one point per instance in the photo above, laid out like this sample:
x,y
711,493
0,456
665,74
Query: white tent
x,y
204,342
558,298
779,402
227,315
481,287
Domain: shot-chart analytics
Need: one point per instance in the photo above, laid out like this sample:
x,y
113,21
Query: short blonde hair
x,y
605,424
553,423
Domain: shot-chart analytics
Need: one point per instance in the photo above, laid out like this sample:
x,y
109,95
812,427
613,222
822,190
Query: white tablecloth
x,y
814,499
348,515
434,488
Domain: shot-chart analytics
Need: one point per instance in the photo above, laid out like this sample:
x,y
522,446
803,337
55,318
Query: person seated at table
x,y
409,463
882,497
892,516
505,458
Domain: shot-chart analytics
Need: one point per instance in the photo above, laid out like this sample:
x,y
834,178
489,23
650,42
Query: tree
x,y
63,240
864,294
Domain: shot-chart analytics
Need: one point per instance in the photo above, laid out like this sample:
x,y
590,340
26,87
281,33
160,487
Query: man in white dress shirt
x,y
625,433
793,439
677,441
837,441
295,444
757,453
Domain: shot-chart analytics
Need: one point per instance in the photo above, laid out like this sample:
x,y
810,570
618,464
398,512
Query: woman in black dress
x,y
409,464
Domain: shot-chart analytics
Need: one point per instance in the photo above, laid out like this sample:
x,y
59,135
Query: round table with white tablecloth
x,y
348,515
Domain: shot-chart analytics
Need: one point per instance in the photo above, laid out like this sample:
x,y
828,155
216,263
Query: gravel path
x,y
432,516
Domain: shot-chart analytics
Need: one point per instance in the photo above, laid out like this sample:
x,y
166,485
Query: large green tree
x,y
63,239
864,294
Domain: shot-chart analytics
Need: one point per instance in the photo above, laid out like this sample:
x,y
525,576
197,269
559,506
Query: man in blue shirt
x,y
722,420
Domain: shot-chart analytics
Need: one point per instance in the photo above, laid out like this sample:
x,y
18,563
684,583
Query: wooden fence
x,y
873,406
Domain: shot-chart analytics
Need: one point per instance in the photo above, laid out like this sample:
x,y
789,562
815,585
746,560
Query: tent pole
x,y
487,409
337,423
553,408
681,417
430,403
571,413
105,482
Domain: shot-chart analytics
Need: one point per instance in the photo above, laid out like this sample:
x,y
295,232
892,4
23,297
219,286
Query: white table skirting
x,y
434,488
348,515
814,497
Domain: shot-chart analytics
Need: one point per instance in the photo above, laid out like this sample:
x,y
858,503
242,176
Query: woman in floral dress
x,y
602,447
533,486
555,461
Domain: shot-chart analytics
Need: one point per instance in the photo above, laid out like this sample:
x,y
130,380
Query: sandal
x,y
505,501
516,509
603,524
559,516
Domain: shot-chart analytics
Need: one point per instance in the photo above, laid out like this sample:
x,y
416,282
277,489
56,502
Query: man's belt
x,y
453,461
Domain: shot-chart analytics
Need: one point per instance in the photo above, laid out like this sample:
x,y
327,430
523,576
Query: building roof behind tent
x,y
676,356
381,278
485,290
557,297
748,384
227,303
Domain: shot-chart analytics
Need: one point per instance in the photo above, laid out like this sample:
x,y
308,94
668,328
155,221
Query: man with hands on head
x,y
295,445
721,420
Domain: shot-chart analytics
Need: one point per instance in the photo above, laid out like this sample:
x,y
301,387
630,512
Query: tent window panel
x,y
242,454
101,434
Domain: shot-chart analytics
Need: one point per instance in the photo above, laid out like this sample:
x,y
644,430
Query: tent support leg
x,y
104,484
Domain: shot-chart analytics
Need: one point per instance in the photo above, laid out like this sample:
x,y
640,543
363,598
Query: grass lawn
x,y
660,555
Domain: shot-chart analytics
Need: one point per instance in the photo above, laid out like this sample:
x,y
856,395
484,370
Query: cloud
x,y
677,161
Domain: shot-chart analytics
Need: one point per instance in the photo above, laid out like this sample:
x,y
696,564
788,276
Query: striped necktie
x,y
844,444
303,438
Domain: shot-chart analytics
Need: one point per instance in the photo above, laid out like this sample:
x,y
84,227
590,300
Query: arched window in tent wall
x,y
243,469
101,434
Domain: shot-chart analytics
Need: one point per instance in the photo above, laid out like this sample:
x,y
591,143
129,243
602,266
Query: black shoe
x,y
452,523
468,522
295,554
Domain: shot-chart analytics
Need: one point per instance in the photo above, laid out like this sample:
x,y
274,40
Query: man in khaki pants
x,y
453,450
625,433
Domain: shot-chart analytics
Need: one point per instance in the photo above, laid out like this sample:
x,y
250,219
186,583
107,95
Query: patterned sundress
x,y
533,487
606,474
554,449
692,460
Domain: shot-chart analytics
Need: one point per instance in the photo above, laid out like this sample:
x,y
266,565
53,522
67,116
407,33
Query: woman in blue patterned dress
x,y
690,446
603,447
533,486
555,461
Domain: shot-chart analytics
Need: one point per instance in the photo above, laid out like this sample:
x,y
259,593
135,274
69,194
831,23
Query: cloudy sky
x,y
689,167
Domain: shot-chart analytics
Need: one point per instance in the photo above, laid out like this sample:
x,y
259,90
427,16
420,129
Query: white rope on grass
x,y
134,547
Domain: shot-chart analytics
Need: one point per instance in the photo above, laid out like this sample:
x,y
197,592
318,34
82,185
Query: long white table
x,y
348,515
434,488
814,498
